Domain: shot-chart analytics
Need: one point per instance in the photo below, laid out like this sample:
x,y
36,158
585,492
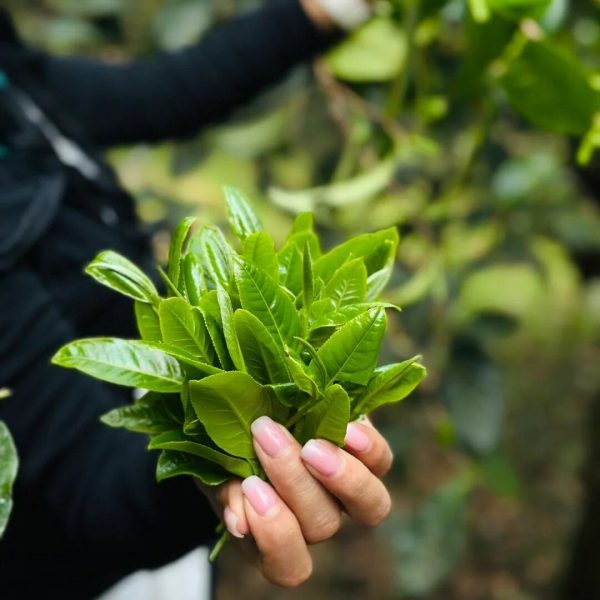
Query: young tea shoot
x,y
246,330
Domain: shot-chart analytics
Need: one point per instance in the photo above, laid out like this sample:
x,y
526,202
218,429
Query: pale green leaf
x,y
243,219
131,363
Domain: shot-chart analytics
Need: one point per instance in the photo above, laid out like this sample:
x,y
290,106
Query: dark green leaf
x,y
8,472
177,249
120,274
125,362
243,220
262,356
351,353
227,404
389,384
264,298
551,88
153,413
172,463
176,440
147,322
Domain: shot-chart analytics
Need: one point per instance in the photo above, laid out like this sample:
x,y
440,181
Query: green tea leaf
x,y
378,251
153,413
176,440
210,310
125,362
177,249
147,322
389,384
9,463
308,287
262,356
302,223
172,463
263,297
182,326
195,285
229,330
120,274
259,250
328,420
243,220
301,376
351,353
326,316
227,404
348,285
214,254
291,271
196,368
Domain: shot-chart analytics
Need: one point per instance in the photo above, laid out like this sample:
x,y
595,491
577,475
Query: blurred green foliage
x,y
462,123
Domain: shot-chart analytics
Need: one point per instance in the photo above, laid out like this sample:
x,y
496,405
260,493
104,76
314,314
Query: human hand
x,y
329,14
309,488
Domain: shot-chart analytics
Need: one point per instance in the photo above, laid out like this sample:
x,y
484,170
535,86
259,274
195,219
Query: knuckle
x,y
293,579
379,513
323,527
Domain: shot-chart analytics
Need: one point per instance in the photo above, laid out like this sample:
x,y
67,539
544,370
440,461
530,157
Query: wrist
x,y
315,12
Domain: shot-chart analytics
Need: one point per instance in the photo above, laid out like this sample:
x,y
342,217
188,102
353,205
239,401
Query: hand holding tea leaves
x,y
284,340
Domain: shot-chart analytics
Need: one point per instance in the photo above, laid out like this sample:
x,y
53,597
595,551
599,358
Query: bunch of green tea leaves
x,y
293,334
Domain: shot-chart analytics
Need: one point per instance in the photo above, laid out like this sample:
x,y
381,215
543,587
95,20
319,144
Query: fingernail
x,y
261,496
321,457
356,439
270,436
231,522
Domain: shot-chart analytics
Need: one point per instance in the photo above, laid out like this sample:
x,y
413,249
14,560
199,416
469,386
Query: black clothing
x,y
87,508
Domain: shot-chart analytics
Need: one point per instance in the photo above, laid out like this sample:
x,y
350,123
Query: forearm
x,y
175,94
85,493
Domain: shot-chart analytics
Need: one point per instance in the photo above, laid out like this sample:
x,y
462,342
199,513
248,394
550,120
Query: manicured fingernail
x,y
321,457
270,436
261,496
356,439
231,522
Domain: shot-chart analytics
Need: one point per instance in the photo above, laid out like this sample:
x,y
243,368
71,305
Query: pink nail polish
x,y
270,436
356,439
231,522
261,495
322,457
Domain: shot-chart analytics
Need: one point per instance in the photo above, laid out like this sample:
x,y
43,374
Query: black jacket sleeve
x,y
87,507
175,94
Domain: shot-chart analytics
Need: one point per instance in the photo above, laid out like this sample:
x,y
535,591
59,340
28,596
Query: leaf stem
x,y
223,539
